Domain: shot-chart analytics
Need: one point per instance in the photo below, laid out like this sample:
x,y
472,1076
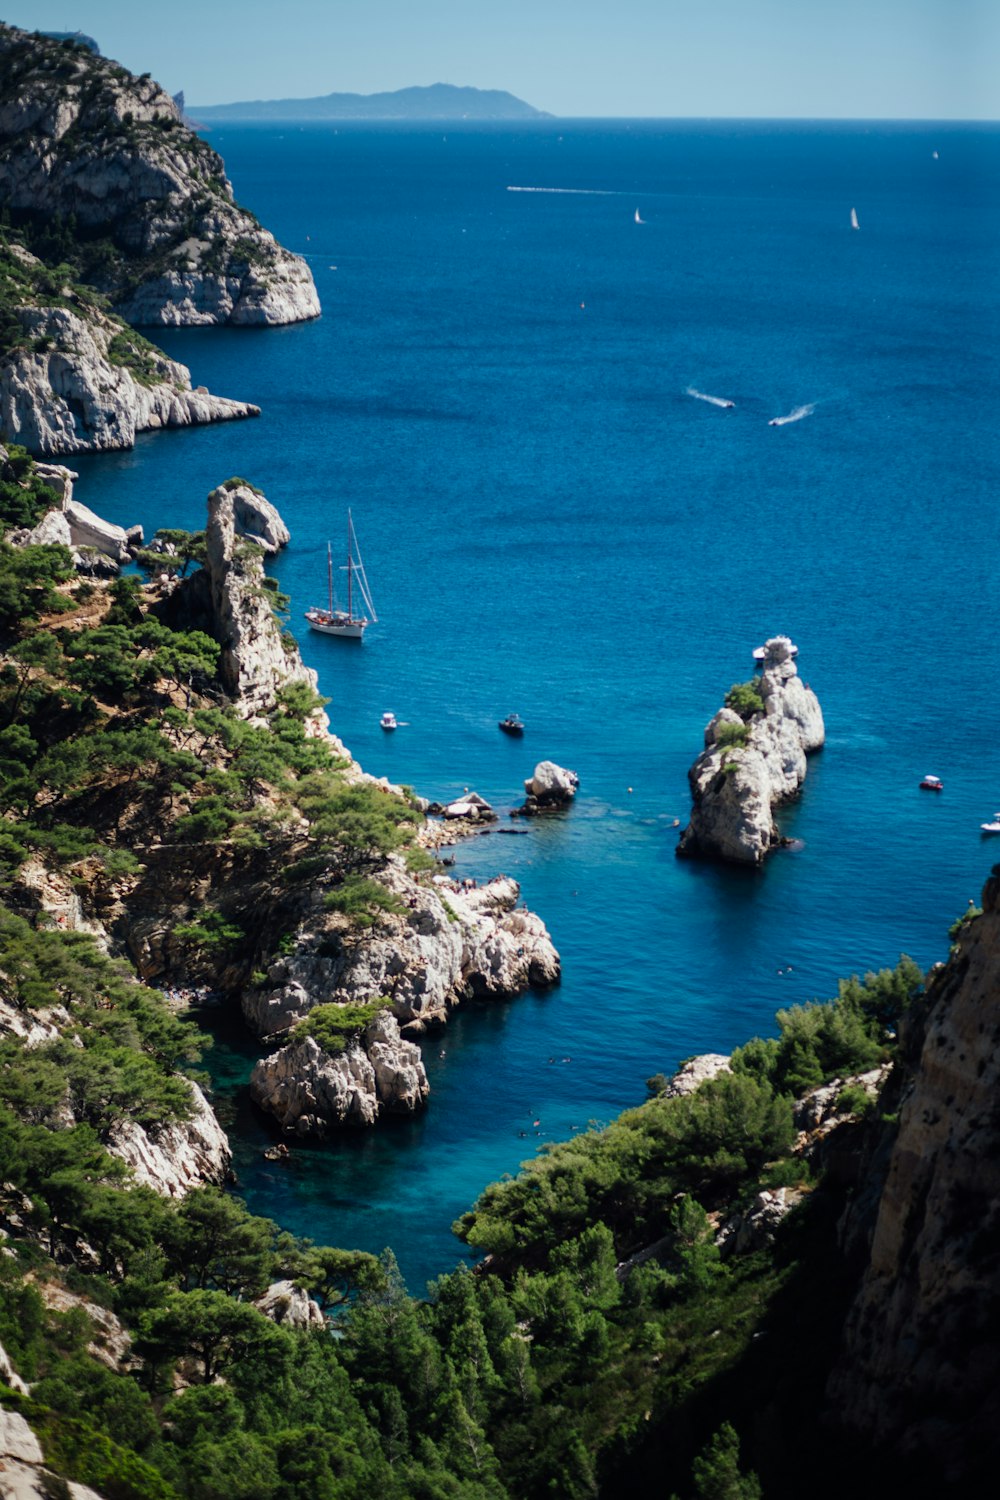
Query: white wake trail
x,y
793,416
714,400
578,192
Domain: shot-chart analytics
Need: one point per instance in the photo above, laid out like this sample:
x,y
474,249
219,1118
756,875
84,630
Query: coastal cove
x,y
552,525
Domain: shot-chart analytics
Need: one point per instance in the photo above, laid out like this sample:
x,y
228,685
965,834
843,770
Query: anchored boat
x,y
339,622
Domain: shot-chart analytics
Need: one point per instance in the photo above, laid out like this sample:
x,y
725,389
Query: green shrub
x,y
745,698
732,737
364,902
333,1027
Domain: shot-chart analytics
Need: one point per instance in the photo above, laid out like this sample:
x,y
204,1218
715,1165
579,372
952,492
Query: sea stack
x,y
754,759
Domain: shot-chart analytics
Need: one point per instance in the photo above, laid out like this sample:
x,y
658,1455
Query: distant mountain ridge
x,y
437,101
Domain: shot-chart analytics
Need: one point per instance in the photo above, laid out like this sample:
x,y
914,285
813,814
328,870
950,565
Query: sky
x,y
860,59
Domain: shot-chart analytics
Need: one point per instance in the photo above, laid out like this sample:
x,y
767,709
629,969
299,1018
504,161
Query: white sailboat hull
x,y
347,629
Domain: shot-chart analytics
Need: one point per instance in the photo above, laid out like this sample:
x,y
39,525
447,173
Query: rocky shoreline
x,y
158,240
436,944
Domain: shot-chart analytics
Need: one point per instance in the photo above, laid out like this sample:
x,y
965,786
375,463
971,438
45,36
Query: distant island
x,y
438,101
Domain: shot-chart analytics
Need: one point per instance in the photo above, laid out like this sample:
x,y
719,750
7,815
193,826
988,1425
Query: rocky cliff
x,y
754,759
75,379
920,1373
103,160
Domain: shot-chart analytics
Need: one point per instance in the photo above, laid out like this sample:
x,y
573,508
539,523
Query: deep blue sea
x,y
552,525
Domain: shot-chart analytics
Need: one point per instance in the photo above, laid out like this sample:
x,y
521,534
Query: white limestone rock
x,y
257,519
549,787
9,1376
254,664
736,788
89,530
17,1441
311,1092
109,1341
51,531
289,1305
692,1074
173,1159
72,398
754,1228
453,944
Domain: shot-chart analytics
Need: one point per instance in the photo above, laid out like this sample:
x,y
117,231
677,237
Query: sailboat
x,y
345,623
638,217
854,219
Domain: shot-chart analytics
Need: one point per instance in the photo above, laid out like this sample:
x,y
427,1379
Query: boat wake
x,y
578,192
793,416
713,400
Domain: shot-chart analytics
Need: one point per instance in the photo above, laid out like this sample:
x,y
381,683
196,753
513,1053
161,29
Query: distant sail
x,y
638,218
854,219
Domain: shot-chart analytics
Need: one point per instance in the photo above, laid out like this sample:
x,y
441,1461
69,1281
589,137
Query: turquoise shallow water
x,y
552,525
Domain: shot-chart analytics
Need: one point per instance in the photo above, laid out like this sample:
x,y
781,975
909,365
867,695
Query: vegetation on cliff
x,y
631,1326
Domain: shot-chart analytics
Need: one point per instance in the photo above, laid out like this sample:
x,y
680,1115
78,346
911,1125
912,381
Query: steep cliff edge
x,y
74,378
754,759
920,1375
100,167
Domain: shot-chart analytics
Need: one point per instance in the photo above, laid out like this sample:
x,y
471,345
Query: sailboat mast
x,y
350,601
329,577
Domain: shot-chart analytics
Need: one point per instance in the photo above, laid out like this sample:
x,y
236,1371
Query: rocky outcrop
x,y
311,1092
9,1376
754,759
692,1074
80,135
549,787
289,1305
227,597
754,1227
255,518
920,1375
66,389
173,1159
453,944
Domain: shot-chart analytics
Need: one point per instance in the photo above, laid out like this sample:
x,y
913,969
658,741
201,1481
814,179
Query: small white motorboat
x,y
993,827
932,784
388,721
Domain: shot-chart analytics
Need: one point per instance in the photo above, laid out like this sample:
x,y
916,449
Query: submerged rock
x,y
751,763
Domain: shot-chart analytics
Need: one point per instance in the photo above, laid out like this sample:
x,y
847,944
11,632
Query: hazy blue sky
x,y
932,59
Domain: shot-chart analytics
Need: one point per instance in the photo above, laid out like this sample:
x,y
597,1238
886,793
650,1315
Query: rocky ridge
x,y
751,763
80,136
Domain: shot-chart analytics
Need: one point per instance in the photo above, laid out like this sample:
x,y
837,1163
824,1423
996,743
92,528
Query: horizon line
x,y
547,118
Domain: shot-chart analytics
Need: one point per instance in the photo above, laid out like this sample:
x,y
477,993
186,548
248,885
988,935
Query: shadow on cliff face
x,y
786,1320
